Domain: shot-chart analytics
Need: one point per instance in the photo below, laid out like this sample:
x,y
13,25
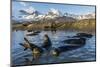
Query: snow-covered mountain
x,y
87,16
29,10
31,14
80,17
35,15
53,13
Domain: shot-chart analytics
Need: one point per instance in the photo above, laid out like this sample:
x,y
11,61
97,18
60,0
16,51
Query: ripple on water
x,y
85,53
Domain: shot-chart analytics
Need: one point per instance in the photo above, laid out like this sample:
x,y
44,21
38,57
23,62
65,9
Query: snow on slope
x,y
32,14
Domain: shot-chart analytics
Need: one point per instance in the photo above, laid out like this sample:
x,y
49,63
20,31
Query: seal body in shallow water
x,y
73,44
36,50
75,41
28,45
81,35
47,42
57,51
84,35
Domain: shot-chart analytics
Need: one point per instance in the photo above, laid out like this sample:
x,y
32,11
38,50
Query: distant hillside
x,y
80,25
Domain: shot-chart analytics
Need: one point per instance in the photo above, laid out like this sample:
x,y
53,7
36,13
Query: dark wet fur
x,y
32,46
81,35
84,35
66,48
47,43
75,41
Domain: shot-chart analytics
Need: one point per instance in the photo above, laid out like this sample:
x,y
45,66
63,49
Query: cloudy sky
x,y
44,8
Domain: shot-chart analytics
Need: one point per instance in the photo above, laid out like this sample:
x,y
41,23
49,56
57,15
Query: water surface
x,y
85,53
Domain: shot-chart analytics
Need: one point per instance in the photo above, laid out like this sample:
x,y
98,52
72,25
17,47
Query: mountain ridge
x,y
53,14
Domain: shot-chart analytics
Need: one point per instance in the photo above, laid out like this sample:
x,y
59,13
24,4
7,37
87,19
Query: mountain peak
x,y
53,11
30,14
29,10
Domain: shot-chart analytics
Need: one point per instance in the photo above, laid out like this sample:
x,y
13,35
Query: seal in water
x,y
75,41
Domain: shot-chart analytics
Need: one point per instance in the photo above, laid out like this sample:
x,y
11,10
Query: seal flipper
x,y
26,40
21,44
25,49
